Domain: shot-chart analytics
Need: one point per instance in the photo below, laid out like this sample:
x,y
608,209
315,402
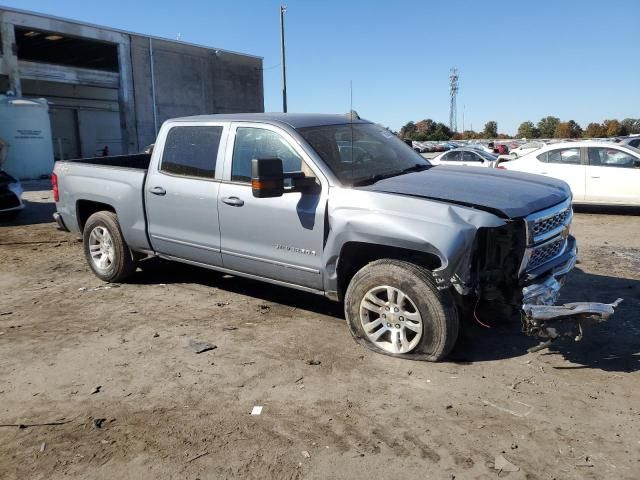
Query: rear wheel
x,y
393,307
106,252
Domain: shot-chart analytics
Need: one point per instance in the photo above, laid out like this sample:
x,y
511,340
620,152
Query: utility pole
x,y
453,93
283,8
463,109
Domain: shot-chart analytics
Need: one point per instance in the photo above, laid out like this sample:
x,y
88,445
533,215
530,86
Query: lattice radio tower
x,y
453,93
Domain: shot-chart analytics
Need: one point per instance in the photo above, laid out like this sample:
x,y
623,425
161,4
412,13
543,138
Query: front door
x,y
279,238
182,193
613,176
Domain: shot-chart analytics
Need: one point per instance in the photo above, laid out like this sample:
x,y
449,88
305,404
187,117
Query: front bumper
x,y
541,318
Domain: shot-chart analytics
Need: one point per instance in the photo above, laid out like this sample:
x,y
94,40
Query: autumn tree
x,y
613,128
490,129
527,130
594,130
568,129
547,126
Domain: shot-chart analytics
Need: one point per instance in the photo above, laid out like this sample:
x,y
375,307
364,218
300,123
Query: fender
x,y
436,228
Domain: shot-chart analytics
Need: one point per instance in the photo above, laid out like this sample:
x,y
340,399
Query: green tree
x,y
547,126
631,125
408,130
594,130
576,129
490,129
527,130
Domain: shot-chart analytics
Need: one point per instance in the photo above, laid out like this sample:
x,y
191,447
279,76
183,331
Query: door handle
x,y
544,173
592,176
233,201
158,191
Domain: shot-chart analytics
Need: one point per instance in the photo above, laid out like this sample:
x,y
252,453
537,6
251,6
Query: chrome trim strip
x,y
188,244
271,262
246,275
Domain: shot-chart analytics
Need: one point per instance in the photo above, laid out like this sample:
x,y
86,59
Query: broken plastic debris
x,y
200,347
504,465
101,287
257,410
587,310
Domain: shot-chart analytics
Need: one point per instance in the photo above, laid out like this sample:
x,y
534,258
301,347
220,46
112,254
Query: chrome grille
x,y
549,224
545,252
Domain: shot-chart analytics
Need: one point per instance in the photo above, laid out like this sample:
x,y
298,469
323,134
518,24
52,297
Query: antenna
x,y
453,93
351,120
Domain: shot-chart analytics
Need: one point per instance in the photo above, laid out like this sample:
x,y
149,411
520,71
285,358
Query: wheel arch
x,y
355,254
86,208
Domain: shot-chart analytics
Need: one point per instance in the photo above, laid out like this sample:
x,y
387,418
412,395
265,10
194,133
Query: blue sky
x,y
517,60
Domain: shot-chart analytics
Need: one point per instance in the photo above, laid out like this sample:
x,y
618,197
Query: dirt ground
x,y
114,367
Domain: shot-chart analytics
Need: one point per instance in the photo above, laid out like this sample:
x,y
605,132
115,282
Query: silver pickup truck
x,y
338,207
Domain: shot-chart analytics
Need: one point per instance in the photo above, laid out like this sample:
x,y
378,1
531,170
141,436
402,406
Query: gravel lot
x,y
114,368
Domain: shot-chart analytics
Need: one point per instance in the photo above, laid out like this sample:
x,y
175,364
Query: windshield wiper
x,y
416,168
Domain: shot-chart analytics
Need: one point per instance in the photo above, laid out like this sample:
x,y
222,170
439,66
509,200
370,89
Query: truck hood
x,y
506,193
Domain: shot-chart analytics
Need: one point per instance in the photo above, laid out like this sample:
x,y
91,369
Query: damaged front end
x,y
550,255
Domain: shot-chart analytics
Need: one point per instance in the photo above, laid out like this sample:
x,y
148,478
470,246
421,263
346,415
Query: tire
x,y
119,262
397,334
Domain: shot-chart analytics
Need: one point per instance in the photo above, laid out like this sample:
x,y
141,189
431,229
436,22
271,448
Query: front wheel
x,y
106,252
393,307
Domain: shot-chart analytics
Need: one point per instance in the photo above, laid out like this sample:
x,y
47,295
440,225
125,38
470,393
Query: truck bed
x,y
116,182
138,161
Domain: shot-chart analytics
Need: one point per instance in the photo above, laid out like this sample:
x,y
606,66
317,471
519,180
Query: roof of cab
x,y
295,120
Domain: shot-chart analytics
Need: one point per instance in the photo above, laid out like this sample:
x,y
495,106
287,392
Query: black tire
x,y
123,264
440,323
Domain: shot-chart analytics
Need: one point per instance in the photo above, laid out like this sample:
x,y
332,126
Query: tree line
x,y
552,127
547,127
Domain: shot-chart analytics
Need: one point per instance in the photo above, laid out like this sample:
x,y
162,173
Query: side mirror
x,y
267,177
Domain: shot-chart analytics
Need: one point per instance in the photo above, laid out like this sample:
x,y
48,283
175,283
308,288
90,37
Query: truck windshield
x,y
362,153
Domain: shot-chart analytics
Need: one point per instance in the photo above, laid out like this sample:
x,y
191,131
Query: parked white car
x,y
597,172
526,148
467,156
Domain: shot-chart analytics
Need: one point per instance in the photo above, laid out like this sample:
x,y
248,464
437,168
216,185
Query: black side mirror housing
x,y
267,177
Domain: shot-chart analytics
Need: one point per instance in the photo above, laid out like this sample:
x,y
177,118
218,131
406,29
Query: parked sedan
x,y
633,141
466,156
526,148
598,172
10,195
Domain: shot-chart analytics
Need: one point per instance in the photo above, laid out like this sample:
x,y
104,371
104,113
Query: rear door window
x,y
570,156
191,151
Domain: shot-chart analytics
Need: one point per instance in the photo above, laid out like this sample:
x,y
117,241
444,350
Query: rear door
x,y
613,176
279,238
566,164
182,193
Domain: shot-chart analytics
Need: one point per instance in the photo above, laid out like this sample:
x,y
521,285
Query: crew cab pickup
x,y
339,207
